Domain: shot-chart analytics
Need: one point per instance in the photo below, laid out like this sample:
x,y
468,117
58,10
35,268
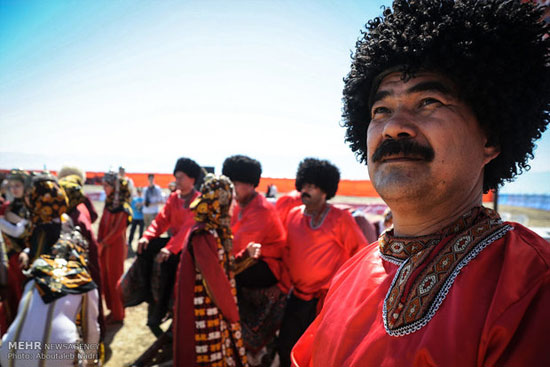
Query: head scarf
x,y
119,198
212,207
19,175
73,187
47,200
64,269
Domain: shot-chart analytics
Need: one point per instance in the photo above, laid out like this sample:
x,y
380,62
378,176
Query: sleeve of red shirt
x,y
263,227
175,245
352,237
161,223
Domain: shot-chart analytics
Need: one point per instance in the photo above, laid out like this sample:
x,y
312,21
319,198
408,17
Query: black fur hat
x,y
242,169
189,167
320,173
496,52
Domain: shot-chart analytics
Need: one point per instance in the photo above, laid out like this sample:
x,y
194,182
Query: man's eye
x,y
428,101
380,111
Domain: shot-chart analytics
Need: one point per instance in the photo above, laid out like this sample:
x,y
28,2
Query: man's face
x,y
184,183
423,142
242,190
312,195
151,179
17,188
108,188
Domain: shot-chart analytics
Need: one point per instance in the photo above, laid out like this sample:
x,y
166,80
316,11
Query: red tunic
x,y
174,216
494,314
313,255
111,237
259,222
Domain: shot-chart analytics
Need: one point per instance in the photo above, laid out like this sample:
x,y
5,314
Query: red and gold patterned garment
x,y
475,294
218,343
206,328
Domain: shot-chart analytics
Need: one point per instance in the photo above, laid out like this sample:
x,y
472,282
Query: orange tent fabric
x,y
361,188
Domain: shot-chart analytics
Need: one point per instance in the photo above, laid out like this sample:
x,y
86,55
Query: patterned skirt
x,y
217,342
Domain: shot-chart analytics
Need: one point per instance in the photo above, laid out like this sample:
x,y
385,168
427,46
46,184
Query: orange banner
x,y
361,188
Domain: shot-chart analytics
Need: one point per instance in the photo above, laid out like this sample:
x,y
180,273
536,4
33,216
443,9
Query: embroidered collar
x,y
429,265
322,215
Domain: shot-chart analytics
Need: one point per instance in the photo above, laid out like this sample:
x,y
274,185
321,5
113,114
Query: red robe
x,y
494,314
112,253
174,216
259,222
314,255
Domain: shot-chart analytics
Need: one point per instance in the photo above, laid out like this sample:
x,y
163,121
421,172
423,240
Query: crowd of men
x,y
441,106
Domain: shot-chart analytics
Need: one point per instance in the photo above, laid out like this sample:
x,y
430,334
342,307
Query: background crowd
x,y
241,273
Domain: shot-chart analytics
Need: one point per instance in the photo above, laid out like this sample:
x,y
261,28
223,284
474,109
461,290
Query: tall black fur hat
x,y
189,167
242,169
320,173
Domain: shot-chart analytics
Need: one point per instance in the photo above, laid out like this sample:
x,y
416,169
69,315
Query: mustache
x,y
406,147
305,195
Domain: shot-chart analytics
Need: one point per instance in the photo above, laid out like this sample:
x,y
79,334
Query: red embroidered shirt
x,y
486,307
313,255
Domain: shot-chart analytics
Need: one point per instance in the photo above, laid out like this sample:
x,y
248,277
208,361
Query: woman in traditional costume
x,y
59,307
14,226
117,214
207,331
57,320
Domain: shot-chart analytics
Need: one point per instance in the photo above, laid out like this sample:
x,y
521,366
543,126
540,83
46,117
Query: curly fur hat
x,y
321,173
242,169
495,51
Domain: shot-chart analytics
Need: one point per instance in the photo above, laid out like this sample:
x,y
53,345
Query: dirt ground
x,y
125,343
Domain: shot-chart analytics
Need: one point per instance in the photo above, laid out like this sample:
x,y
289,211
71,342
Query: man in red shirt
x,y
441,105
177,218
260,287
320,238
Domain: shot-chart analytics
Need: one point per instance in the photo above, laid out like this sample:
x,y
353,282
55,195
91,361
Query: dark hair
x,y
321,173
242,169
189,167
495,52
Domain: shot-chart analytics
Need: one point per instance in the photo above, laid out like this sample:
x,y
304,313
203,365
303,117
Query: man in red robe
x,y
320,238
441,106
176,218
260,282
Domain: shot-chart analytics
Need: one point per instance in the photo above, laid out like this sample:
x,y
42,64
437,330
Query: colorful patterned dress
x,y
206,327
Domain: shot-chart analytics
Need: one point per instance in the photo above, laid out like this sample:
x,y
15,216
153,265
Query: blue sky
x,y
140,83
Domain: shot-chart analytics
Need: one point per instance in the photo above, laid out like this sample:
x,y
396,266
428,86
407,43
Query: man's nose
x,y
400,125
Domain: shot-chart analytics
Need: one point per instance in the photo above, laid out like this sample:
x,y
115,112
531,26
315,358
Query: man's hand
x,y
23,260
163,255
142,245
254,250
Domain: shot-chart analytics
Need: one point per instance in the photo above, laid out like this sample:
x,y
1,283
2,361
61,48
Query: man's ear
x,y
490,152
